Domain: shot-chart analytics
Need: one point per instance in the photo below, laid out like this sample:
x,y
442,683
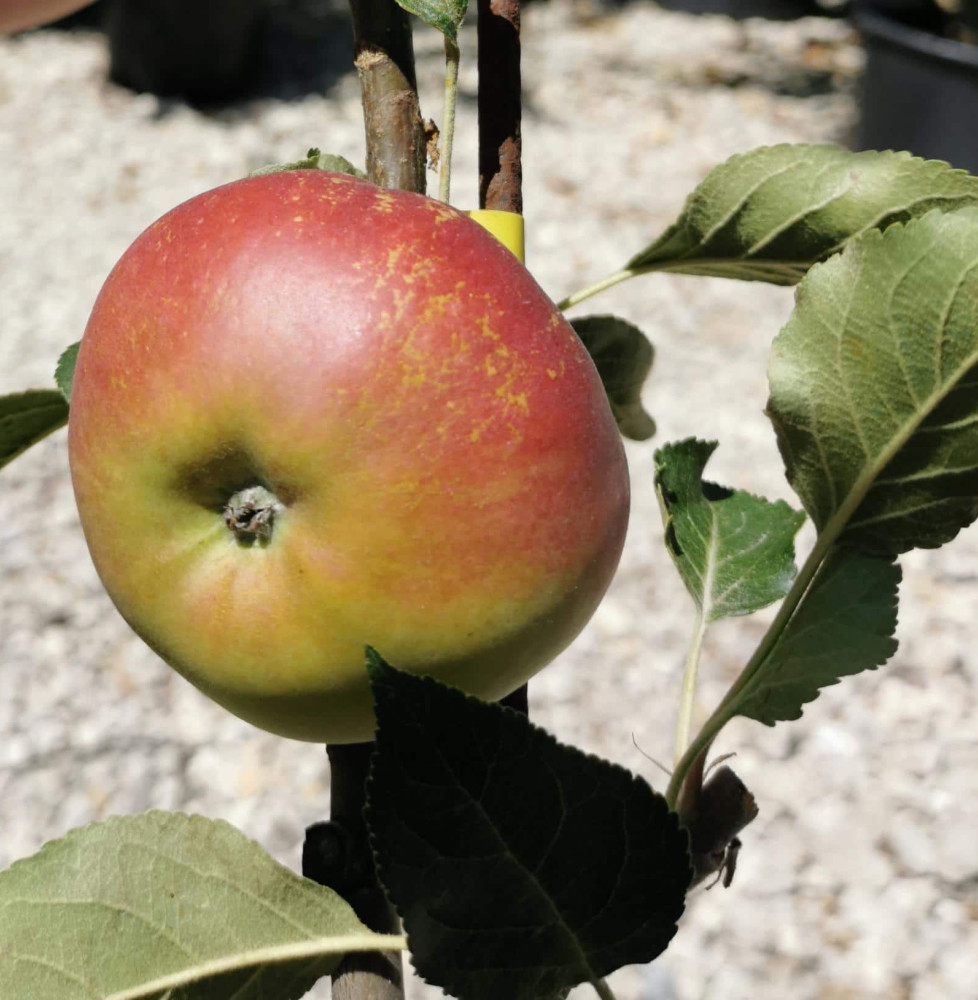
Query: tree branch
x,y
366,976
500,140
338,853
384,57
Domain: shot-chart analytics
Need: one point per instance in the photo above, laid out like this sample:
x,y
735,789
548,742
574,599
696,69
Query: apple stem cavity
x,y
250,514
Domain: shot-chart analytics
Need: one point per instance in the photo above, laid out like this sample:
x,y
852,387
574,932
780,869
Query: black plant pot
x,y
919,92
204,51
771,10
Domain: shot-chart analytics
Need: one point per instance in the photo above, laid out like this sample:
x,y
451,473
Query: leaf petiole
x,y
687,703
734,269
448,124
609,282
774,272
603,990
726,710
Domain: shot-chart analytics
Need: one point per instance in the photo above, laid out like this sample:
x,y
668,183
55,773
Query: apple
x,y
309,414
16,15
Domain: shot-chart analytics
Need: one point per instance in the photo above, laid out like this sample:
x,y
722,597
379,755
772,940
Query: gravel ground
x,y
859,880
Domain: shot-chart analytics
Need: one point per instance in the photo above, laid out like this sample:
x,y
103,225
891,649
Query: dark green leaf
x,y
28,417
734,551
623,357
874,387
167,907
64,374
445,15
314,161
519,866
844,625
769,214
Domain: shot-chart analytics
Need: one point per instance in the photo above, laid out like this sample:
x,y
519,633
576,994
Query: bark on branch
x,y
384,57
373,975
500,140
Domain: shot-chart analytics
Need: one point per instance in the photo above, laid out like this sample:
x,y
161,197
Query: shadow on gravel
x,y
299,47
816,65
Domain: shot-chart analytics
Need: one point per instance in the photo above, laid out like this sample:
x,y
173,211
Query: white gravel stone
x,y
859,880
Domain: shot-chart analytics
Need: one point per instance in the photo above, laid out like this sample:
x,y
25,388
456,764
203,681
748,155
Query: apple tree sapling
x,y
302,353
337,854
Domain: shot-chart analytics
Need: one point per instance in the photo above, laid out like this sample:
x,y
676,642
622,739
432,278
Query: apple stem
x,y
448,123
250,514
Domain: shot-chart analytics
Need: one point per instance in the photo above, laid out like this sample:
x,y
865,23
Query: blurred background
x,y
859,879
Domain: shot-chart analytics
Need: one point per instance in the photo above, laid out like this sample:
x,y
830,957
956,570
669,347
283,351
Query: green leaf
x,y
519,866
844,625
445,15
170,907
28,417
314,161
734,551
623,357
874,387
64,374
770,214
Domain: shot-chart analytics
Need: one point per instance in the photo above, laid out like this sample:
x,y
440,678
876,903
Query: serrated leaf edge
x,y
64,371
380,666
667,515
748,688
640,262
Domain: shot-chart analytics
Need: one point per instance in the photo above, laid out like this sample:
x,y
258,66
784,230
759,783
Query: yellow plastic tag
x,y
507,227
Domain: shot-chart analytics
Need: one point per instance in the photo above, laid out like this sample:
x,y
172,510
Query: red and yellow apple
x,y
16,15
308,415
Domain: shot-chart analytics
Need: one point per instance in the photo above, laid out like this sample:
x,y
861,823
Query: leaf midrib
x,y
709,577
838,522
792,266
318,948
507,851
